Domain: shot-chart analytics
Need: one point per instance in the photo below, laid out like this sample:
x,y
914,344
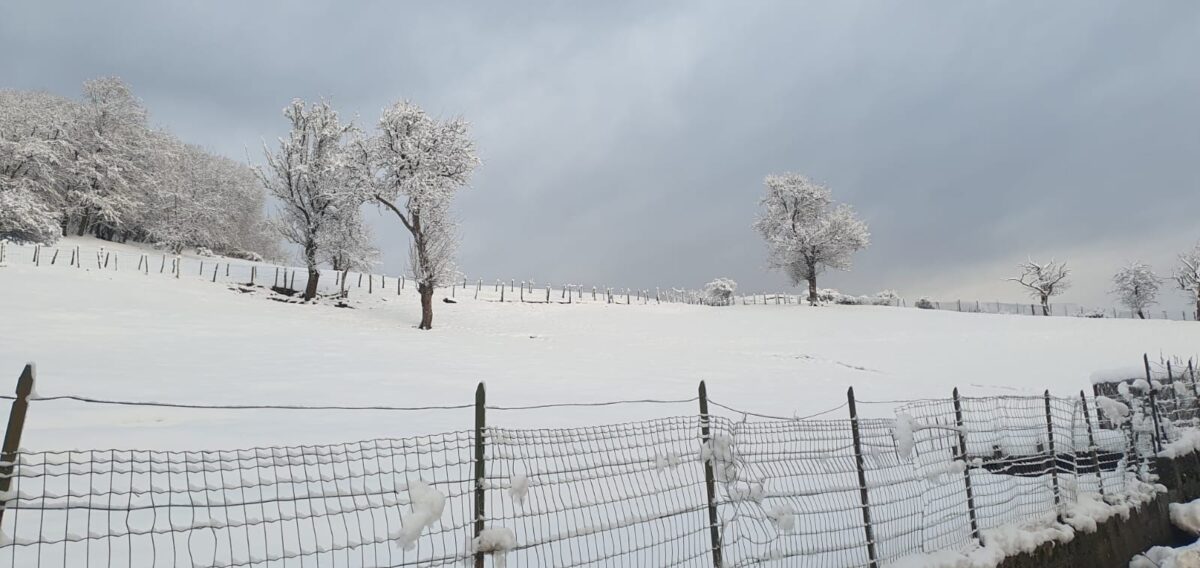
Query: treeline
x,y
96,166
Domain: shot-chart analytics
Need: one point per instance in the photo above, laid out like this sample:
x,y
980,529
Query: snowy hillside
x,y
125,334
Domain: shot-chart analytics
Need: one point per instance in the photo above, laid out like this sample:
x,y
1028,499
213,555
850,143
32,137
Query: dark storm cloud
x,y
626,144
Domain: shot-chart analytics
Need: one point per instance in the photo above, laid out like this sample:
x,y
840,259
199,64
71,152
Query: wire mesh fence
x,y
700,490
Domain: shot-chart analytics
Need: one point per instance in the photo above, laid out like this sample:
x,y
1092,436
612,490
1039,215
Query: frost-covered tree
x,y
34,145
413,167
306,175
109,145
1136,287
1187,275
348,242
1043,281
806,232
720,292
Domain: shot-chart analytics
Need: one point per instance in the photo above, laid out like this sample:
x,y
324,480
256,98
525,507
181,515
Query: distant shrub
x,y
1094,314
719,292
203,251
245,255
886,298
924,303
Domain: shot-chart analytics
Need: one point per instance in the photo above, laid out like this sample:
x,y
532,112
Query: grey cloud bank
x,y
626,143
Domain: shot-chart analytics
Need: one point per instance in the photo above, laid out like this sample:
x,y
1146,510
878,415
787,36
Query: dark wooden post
x,y
480,433
710,484
1053,455
862,480
16,424
1087,418
1153,405
1195,394
962,450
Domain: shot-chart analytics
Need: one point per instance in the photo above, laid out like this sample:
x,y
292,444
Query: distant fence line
x,y
690,490
282,279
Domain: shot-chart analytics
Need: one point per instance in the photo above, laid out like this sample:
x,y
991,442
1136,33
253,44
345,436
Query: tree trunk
x,y
1045,305
1198,309
1141,314
83,223
310,289
812,290
426,306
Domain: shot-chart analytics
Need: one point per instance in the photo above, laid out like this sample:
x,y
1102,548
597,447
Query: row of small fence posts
x,y
25,385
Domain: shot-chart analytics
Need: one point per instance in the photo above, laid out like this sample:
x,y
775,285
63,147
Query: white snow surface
x,y
427,507
1186,516
128,335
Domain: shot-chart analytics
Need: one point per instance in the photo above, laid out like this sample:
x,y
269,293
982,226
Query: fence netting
x,y
939,475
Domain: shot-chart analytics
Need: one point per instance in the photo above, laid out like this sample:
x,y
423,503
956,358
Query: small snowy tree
x,y
806,232
413,168
305,175
1136,287
1044,281
719,292
1187,275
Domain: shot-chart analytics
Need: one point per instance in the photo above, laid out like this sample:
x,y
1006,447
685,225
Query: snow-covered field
x,y
128,335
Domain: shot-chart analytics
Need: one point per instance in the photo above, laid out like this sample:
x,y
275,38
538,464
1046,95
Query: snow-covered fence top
x,y
950,475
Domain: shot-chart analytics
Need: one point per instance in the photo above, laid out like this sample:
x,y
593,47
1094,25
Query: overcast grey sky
x,y
625,143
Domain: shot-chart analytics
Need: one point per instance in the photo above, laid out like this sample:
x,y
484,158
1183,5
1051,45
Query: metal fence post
x,y
1087,417
710,484
1053,456
862,480
1153,405
480,432
16,424
962,448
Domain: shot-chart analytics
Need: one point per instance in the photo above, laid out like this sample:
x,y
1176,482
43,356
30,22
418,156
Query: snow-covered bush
x,y
886,298
847,300
1094,314
203,251
924,303
719,292
828,295
245,255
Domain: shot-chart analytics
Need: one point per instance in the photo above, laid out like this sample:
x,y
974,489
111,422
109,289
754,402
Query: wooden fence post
x,y
480,465
16,424
1153,405
962,449
1087,417
1195,394
1053,455
862,480
710,483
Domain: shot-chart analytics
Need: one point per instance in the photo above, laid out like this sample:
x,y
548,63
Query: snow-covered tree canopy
x,y
413,167
1136,287
1043,281
307,174
1187,275
720,292
96,166
806,232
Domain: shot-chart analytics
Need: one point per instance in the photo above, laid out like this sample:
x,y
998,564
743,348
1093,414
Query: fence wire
x,y
787,491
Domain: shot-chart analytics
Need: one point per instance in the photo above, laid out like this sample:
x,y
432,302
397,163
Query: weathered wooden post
x,y
962,450
710,482
1153,405
480,463
16,425
872,556
1053,455
1087,417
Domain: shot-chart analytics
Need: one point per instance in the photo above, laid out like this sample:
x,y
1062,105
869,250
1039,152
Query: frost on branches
x,y
95,166
1187,275
719,292
1136,287
1044,281
413,167
307,175
806,232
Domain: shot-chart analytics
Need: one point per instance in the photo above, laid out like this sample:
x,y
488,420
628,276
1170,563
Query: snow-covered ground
x,y
124,334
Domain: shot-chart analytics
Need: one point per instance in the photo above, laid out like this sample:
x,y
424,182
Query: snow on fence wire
x,y
698,490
